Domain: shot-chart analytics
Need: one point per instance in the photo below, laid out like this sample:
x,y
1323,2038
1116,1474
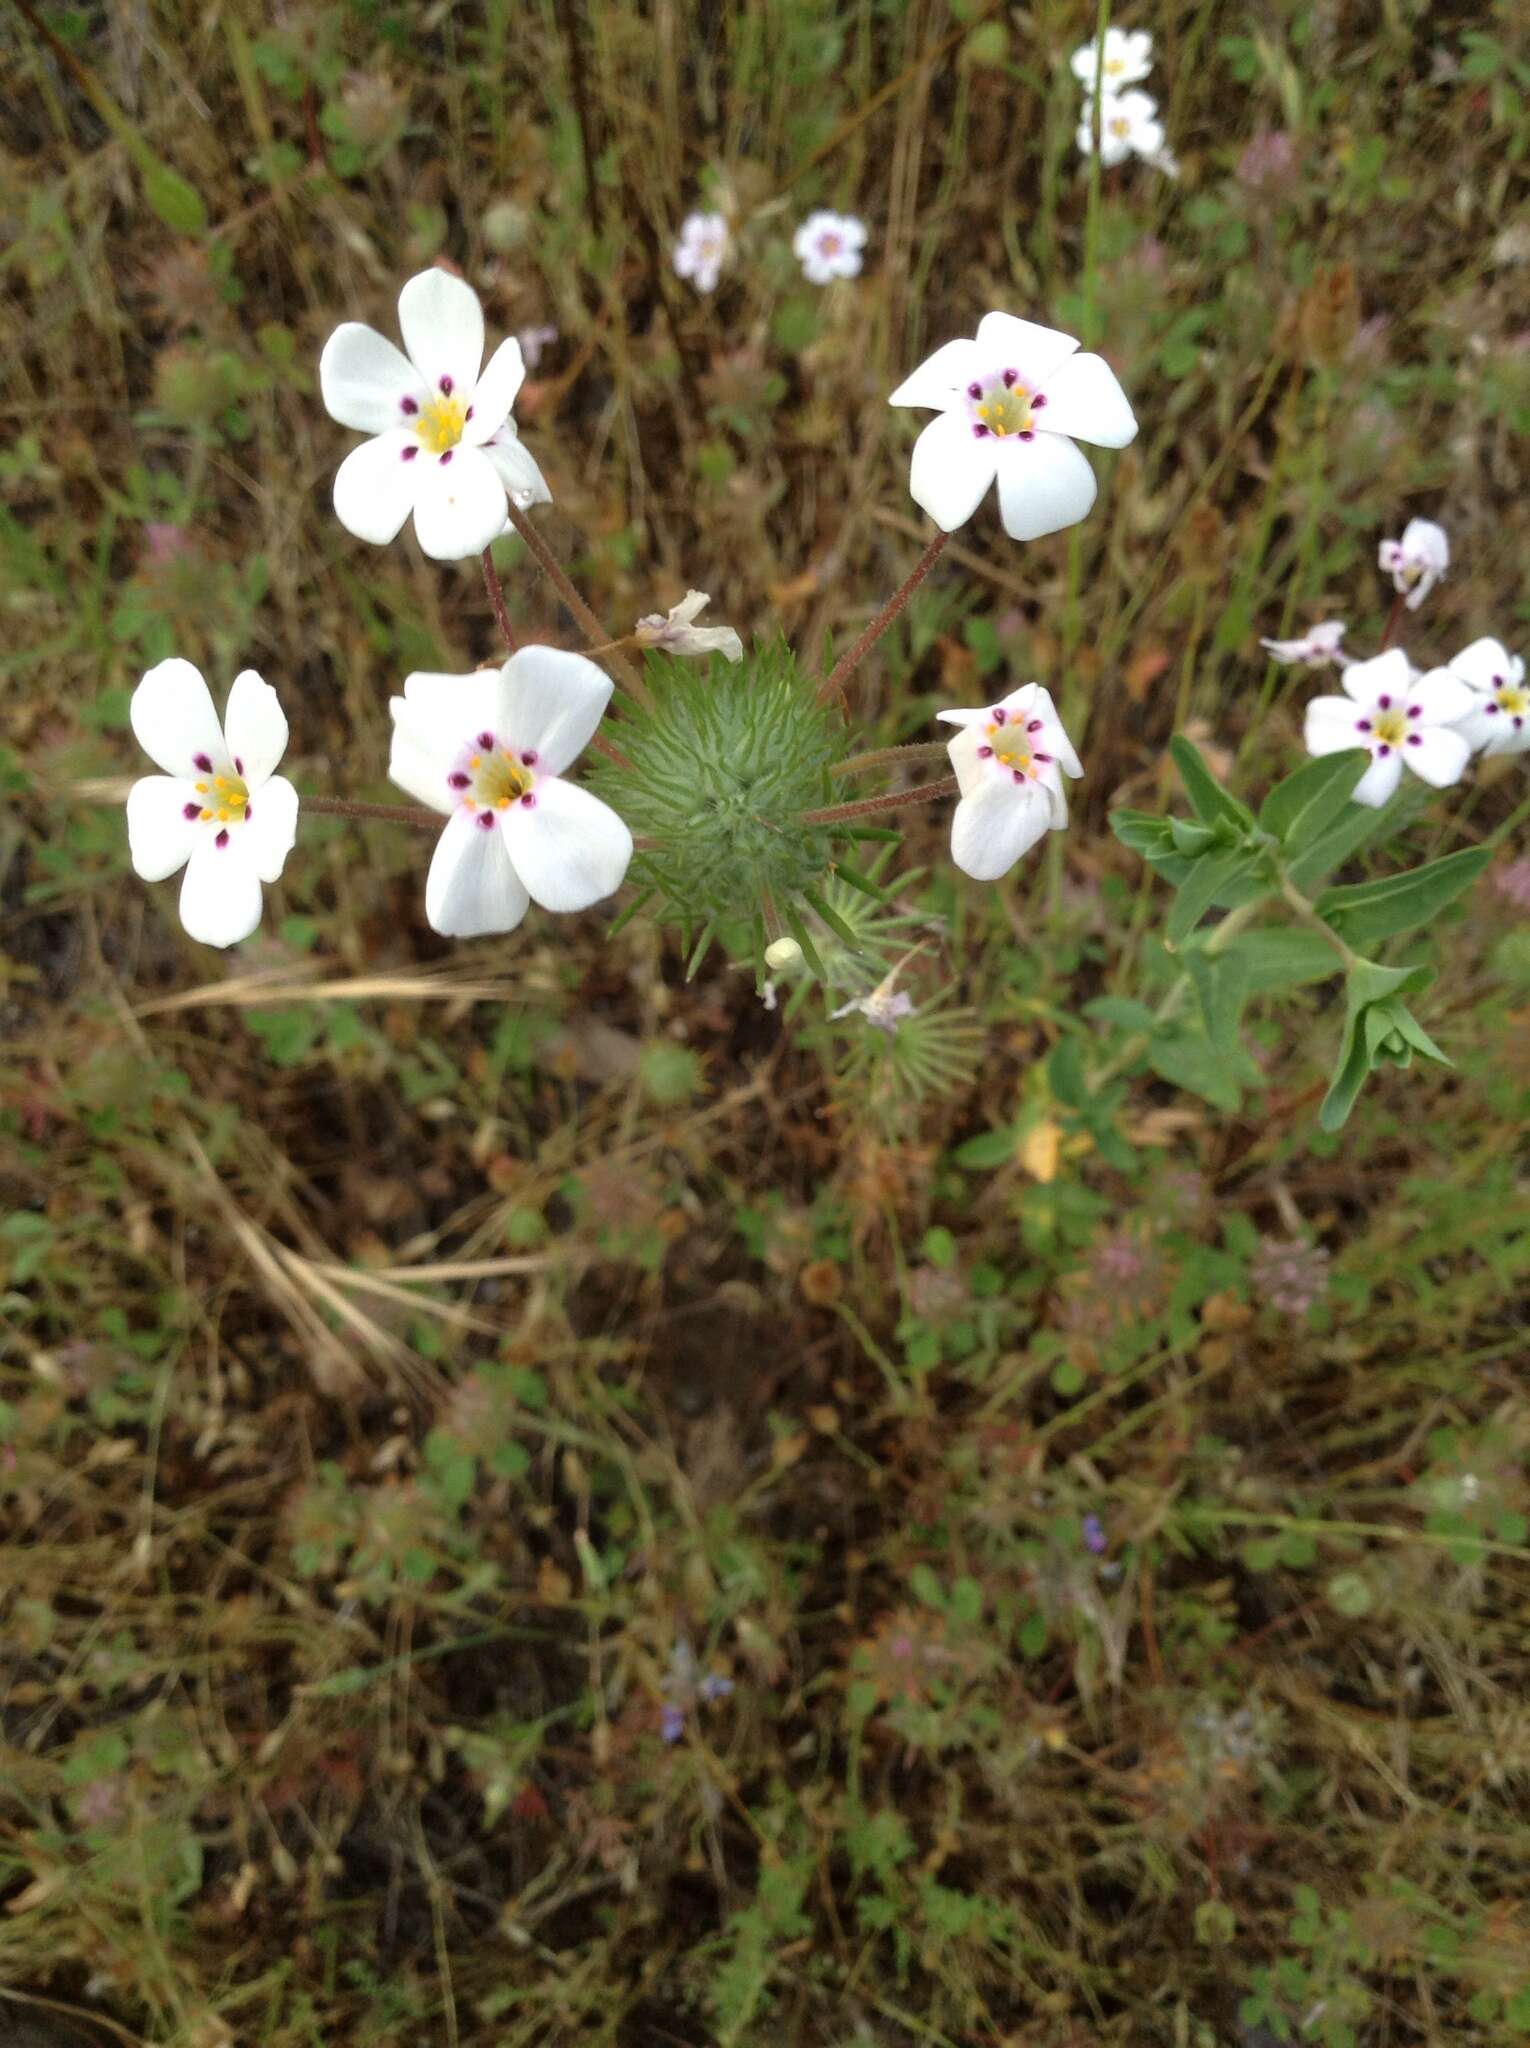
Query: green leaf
x,y
1377,1028
1368,911
990,1148
1208,882
1191,1062
1208,799
1065,1073
1354,828
174,199
1221,984
1283,956
1300,809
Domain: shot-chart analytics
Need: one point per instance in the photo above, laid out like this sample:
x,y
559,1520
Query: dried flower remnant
x,y
1318,647
677,633
1417,561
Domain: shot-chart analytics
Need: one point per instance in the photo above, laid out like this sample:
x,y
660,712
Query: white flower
x,y
443,444
1129,126
675,631
1128,59
1499,719
1318,646
218,810
703,245
1417,561
829,245
885,1007
1010,760
1008,403
489,750
1397,715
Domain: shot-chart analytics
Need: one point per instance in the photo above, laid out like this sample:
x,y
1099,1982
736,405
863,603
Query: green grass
x,y
405,1349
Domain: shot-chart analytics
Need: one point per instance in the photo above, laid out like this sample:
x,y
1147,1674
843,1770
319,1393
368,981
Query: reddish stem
x,y
894,799
593,630
848,663
492,584
397,814
1392,618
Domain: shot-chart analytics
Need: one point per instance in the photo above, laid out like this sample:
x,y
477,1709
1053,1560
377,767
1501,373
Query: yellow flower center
x,y
1391,728
1114,65
498,779
1120,126
1514,700
1006,412
1011,749
224,797
440,423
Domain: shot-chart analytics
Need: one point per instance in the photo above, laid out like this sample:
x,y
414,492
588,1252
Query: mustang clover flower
x,y
1008,403
829,245
1397,716
489,750
1129,126
1128,59
702,249
1010,760
1499,719
443,444
202,813
1318,646
677,632
1417,561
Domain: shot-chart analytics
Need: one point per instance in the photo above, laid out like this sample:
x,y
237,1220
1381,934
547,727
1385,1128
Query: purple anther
x,y
458,781
980,433
410,453
1011,379
485,740
201,761
1382,752
1038,401
408,405
999,714
530,757
484,820
528,802
1415,710
446,458
1362,725
468,414
446,387
1414,740
1385,703
1035,725
984,754
191,810
238,765
974,390
1026,434
222,838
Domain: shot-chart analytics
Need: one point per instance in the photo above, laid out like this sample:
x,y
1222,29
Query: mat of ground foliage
x,y
544,1505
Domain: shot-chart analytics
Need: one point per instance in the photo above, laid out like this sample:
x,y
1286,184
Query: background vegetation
x,y
424,1366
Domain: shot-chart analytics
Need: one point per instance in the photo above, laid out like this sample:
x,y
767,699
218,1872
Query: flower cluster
x,y
827,245
1129,123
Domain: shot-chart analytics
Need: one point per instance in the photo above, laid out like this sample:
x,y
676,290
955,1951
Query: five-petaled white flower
x,y
1010,760
443,444
1008,403
1417,561
1128,59
1398,716
702,248
490,750
218,810
1499,720
1129,126
1317,648
677,632
829,245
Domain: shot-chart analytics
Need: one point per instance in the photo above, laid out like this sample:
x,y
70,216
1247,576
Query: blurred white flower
x,y
675,632
829,245
202,813
702,249
1398,716
489,750
885,1007
443,445
1128,59
1010,759
1499,719
1417,561
1317,648
1008,403
533,341
1129,126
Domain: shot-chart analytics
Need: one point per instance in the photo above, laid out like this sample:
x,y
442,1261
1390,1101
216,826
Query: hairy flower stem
x,y
895,799
885,757
492,584
1392,618
846,666
593,630
396,814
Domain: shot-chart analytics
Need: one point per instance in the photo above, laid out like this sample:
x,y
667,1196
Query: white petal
x,y
1384,675
442,324
255,726
270,827
941,378
160,835
472,888
1424,541
994,827
364,379
1085,400
173,718
550,702
519,474
1497,732
502,379
971,773
376,485
1442,698
1483,664
1332,726
964,717
1008,343
448,711
569,848
1035,700
1044,485
1437,755
220,897
1379,780
422,754
461,504
951,469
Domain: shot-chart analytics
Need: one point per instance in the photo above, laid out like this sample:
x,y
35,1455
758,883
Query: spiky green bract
x,y
726,761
